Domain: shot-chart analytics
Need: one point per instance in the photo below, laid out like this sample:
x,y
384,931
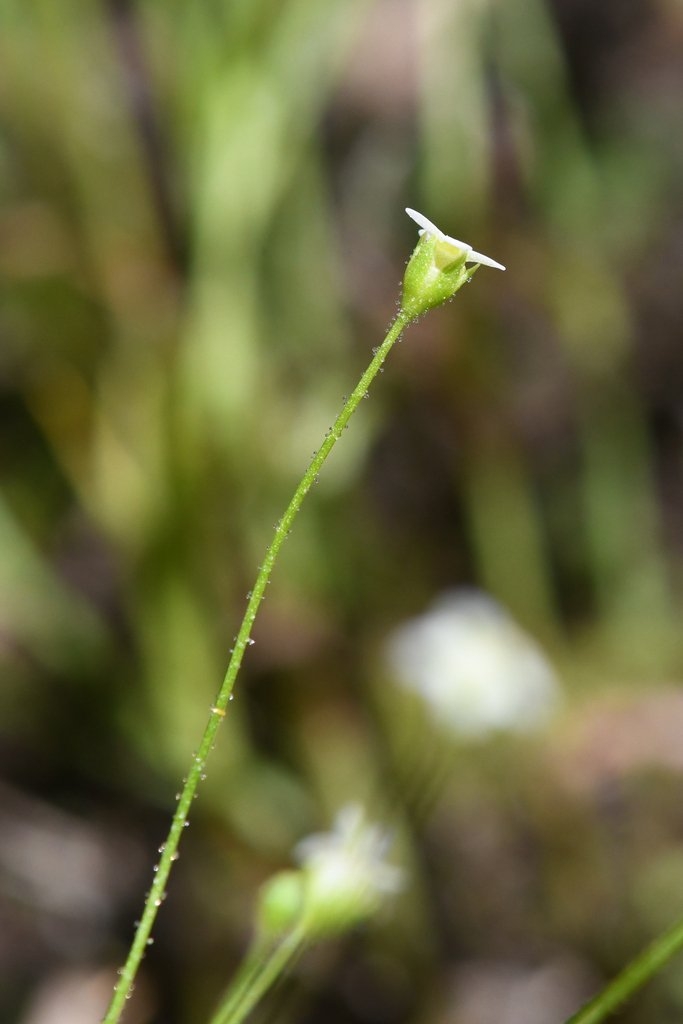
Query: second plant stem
x,y
245,993
169,849
632,978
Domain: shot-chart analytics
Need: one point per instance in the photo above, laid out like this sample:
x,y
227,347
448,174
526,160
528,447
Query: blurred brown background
x,y
201,240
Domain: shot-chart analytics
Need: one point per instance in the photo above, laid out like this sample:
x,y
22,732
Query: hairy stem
x,y
169,850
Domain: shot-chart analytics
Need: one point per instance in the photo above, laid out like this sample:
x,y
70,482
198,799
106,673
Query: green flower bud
x,y
437,268
281,901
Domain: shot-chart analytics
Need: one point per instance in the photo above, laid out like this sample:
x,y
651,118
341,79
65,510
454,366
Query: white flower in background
x,y
475,668
347,875
452,243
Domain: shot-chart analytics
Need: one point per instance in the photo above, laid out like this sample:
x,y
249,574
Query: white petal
x,y
477,257
457,243
425,224
431,229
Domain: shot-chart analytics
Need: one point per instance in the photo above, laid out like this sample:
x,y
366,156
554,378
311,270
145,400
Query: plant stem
x,y
633,977
244,998
243,980
169,850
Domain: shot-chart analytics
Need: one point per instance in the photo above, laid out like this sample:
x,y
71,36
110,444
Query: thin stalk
x,y
243,980
169,850
632,978
239,1004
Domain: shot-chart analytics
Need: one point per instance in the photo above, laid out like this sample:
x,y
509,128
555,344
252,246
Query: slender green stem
x,y
169,850
632,978
243,980
241,1001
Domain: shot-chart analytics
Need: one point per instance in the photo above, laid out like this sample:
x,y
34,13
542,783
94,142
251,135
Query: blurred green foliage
x,y
201,238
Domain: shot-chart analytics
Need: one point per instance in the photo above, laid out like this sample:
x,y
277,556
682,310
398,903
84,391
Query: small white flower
x,y
347,873
476,670
431,229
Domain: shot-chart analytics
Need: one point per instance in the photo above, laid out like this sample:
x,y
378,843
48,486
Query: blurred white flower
x,y
453,243
347,875
475,668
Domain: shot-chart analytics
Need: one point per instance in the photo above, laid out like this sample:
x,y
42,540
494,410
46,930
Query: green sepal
x,y
432,275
